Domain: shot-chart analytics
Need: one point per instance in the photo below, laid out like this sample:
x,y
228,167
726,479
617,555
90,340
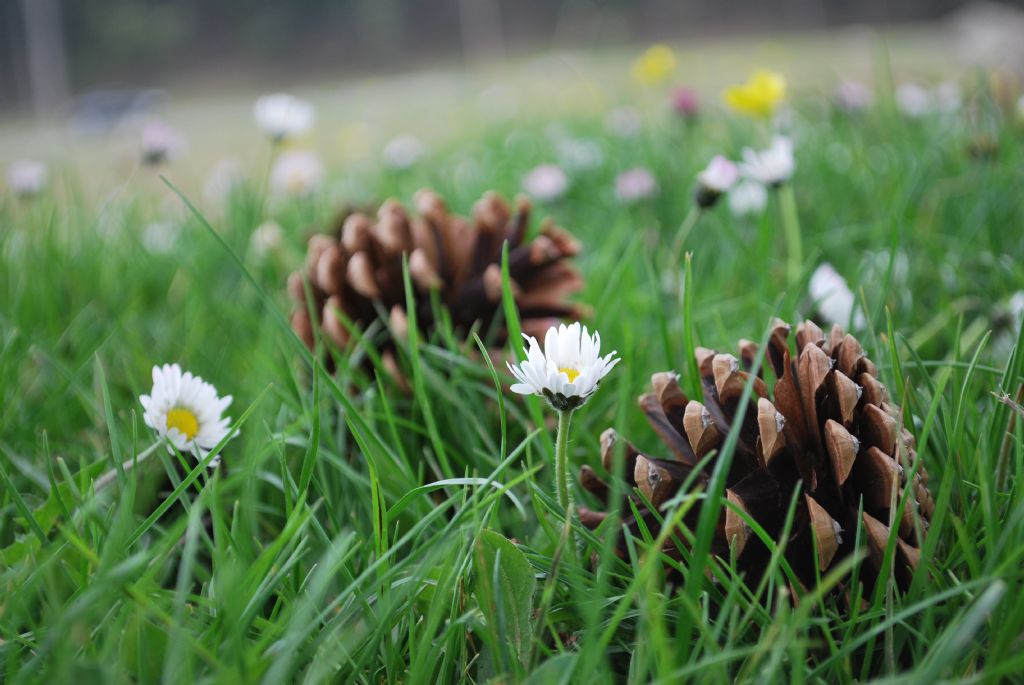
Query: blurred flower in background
x,y
296,173
160,237
748,198
160,143
771,167
949,96
717,178
686,102
546,183
223,179
833,298
654,66
760,96
266,239
579,153
852,96
1015,305
26,177
282,116
635,184
623,122
914,100
403,152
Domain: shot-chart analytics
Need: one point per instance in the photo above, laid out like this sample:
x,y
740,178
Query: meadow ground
x,y
359,531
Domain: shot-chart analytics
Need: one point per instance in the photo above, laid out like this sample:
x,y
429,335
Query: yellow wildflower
x,y
759,96
654,66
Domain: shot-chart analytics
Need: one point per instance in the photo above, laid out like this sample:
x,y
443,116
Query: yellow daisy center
x,y
184,420
572,374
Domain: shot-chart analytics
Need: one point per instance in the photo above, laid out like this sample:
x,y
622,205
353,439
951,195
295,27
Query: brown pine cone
x,y
828,428
358,271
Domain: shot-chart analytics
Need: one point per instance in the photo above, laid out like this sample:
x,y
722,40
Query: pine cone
x,y
831,427
358,271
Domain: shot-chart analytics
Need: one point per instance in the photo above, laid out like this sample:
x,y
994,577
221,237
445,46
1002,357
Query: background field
x,y
318,556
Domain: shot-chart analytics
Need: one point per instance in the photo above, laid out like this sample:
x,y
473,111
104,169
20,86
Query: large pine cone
x,y
358,271
831,428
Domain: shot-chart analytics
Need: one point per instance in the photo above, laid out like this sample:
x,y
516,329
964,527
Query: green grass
x,y
360,534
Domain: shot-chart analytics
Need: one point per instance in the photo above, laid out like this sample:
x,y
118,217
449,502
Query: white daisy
x,y
266,239
635,185
224,178
833,298
186,411
719,175
160,143
624,122
403,152
546,183
914,100
160,237
283,116
948,96
26,177
747,198
296,173
717,178
567,371
579,154
852,96
771,167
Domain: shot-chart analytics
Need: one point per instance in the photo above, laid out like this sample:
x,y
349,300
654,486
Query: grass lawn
x,y
366,530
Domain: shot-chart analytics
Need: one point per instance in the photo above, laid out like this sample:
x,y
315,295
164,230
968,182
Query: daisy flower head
x,y
852,96
914,100
624,122
579,154
636,184
747,198
546,183
224,178
186,411
26,177
266,239
403,152
567,370
717,178
296,173
160,143
283,116
833,298
771,167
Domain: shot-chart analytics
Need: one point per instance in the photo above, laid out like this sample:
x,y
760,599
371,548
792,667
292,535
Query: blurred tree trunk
x,y
44,46
480,25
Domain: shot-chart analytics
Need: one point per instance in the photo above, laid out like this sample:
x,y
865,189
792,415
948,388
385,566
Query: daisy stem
x,y
562,462
791,229
562,491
